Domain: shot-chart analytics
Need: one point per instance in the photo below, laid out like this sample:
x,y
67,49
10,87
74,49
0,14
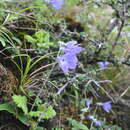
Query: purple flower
x,y
104,64
91,117
87,103
57,4
67,62
97,123
72,47
106,106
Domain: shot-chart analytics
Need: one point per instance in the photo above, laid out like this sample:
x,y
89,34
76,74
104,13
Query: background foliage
x,y
32,34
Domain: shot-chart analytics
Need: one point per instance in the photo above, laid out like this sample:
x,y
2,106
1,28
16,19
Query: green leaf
x,y
77,125
30,39
30,93
42,36
45,45
2,41
21,102
34,113
39,128
39,36
23,118
7,107
46,37
38,101
49,44
44,112
18,42
41,45
11,109
47,111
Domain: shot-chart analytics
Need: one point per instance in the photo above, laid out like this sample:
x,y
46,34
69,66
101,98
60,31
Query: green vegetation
x,y
65,64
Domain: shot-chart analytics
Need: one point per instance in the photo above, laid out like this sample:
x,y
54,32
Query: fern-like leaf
x,y
44,111
21,102
47,111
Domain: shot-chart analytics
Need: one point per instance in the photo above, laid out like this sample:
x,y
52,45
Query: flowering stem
x,y
94,115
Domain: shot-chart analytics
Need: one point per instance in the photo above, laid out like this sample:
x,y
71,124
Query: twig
x,y
61,89
124,92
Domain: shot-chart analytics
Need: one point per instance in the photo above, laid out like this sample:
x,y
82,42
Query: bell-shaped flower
x,y
67,62
106,106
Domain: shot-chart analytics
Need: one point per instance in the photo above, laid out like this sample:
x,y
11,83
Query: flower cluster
x,y
106,107
69,60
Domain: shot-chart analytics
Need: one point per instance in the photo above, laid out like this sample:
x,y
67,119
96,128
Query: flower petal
x,y
71,60
87,103
67,62
97,123
57,4
63,64
72,47
107,106
104,64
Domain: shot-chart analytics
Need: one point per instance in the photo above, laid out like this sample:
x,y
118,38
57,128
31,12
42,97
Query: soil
x,y
9,122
